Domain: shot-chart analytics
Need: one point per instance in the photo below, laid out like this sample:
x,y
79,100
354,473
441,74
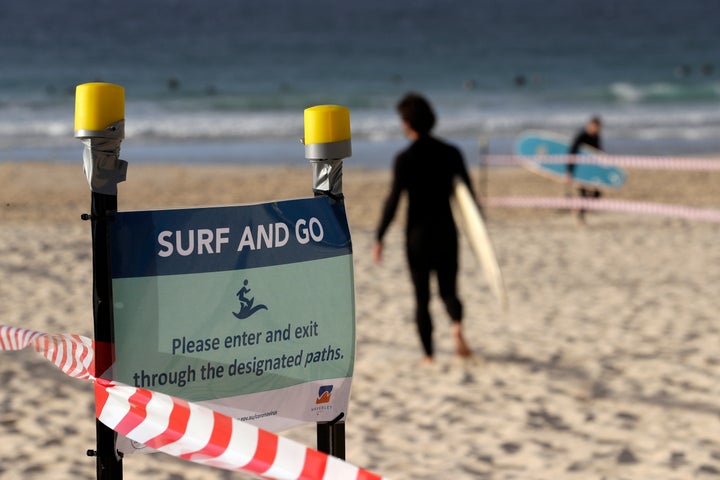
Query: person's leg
x,y
461,347
447,283
420,274
584,193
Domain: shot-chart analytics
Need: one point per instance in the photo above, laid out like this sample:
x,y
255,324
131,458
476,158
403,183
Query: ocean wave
x,y
148,122
664,92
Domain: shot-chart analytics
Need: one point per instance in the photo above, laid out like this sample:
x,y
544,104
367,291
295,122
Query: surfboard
x,y
467,214
535,143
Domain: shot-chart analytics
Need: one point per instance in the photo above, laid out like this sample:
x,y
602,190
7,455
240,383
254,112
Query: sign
x,y
246,309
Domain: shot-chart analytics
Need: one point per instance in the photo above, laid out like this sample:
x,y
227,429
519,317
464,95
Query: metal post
x,y
108,461
331,437
327,142
99,112
483,180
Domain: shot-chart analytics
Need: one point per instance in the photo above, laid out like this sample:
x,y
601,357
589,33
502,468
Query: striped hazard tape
x,y
644,162
73,354
182,428
627,206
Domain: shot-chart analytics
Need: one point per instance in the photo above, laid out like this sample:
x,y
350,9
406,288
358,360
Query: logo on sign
x,y
324,394
247,304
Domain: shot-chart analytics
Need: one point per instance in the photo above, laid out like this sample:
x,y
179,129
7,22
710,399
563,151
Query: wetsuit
x,y
584,138
425,170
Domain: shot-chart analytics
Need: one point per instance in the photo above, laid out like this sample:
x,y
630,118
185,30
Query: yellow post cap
x,y
98,105
326,124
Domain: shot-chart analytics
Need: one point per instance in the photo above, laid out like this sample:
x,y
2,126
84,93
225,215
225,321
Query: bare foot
x,y
461,347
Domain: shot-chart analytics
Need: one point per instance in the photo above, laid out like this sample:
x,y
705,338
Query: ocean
x,y
226,81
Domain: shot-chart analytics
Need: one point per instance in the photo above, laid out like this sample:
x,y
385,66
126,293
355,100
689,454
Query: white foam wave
x,y
150,124
664,92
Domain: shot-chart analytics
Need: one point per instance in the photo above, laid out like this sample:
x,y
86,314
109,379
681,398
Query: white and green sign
x,y
247,309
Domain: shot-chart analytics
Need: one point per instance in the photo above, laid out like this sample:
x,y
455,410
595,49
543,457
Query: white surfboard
x,y
467,214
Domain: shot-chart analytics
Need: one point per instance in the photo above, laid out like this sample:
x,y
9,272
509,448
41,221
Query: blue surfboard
x,y
532,144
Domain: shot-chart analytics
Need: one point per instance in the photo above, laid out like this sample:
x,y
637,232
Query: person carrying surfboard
x,y
425,171
588,136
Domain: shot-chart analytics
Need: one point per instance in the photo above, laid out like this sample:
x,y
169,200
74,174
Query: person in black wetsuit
x,y
425,171
589,136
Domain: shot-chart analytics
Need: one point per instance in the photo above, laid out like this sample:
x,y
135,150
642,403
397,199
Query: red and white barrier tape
x,y
73,354
182,428
645,162
647,208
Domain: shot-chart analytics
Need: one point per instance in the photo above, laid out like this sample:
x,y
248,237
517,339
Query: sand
x,y
606,366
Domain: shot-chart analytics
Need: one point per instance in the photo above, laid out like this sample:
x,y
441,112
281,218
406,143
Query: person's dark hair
x,y
596,120
417,112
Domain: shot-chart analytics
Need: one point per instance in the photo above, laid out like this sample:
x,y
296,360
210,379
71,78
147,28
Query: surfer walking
x,y
588,136
425,171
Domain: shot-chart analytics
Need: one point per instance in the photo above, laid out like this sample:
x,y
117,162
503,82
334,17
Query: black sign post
x,y
99,123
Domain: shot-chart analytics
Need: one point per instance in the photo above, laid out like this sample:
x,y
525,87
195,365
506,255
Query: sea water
x,y
226,81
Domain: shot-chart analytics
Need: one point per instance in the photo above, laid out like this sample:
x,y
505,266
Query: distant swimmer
x,y
173,84
683,71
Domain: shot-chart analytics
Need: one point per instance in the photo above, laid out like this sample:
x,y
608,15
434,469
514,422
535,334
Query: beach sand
x,y
606,365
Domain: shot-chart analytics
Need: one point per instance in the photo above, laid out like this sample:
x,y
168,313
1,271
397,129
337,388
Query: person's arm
x,y
389,209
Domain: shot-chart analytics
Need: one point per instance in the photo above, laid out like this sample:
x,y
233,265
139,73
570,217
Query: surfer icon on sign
x,y
247,307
